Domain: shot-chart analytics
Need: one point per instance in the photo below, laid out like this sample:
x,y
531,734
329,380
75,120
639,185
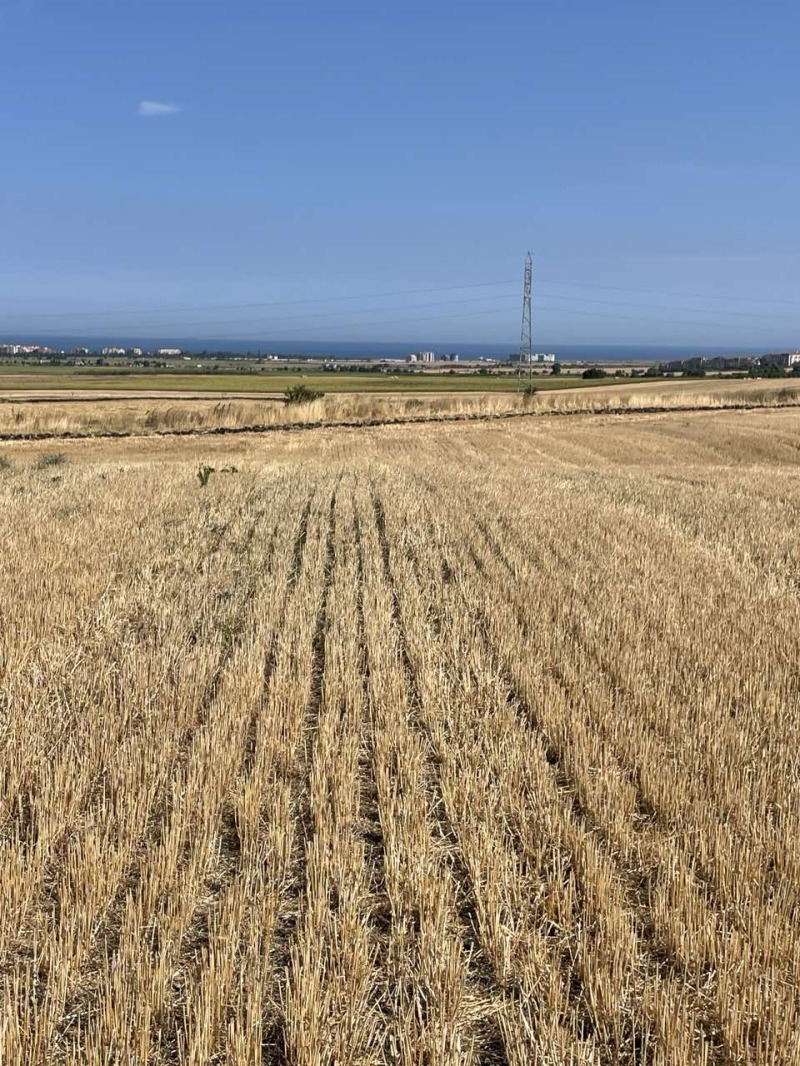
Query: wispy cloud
x,y
156,109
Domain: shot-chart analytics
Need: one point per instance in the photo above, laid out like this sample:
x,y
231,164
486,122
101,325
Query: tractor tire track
x,y
369,805
230,838
274,1045
479,971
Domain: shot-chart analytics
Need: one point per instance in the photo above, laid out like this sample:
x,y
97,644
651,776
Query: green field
x,y
26,378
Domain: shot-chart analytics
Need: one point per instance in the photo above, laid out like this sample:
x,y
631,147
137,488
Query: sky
x,y
372,171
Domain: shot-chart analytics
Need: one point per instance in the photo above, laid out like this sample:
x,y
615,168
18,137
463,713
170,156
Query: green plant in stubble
x,y
204,473
50,459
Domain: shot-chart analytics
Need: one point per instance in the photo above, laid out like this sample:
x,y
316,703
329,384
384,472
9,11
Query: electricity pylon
x,y
526,342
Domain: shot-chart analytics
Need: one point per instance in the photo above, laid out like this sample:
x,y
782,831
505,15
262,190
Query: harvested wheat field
x,y
426,745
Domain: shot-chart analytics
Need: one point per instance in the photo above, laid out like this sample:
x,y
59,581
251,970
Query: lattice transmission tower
x,y
526,341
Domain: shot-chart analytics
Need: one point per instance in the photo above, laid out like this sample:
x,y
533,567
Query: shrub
x,y
301,394
594,372
529,391
767,370
5,463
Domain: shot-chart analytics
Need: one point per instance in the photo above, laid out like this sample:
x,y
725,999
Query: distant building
x,y
699,363
785,359
684,366
536,357
426,357
169,351
113,351
731,362
23,349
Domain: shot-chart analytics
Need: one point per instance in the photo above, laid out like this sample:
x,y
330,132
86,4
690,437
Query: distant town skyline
x,y
645,155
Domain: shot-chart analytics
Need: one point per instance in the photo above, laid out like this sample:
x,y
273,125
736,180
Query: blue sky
x,y
319,151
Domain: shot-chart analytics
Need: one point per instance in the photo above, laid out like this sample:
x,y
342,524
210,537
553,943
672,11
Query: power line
x,y
317,314
671,307
421,291
275,322
252,333
640,318
249,335
679,295
272,303
274,326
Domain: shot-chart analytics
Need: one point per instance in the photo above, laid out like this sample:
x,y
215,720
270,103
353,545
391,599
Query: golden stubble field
x,y
421,745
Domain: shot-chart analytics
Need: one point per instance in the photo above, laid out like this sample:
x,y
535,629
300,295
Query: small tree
x,y
301,394
555,369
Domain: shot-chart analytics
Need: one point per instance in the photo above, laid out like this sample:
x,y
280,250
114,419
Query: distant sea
x,y
372,349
